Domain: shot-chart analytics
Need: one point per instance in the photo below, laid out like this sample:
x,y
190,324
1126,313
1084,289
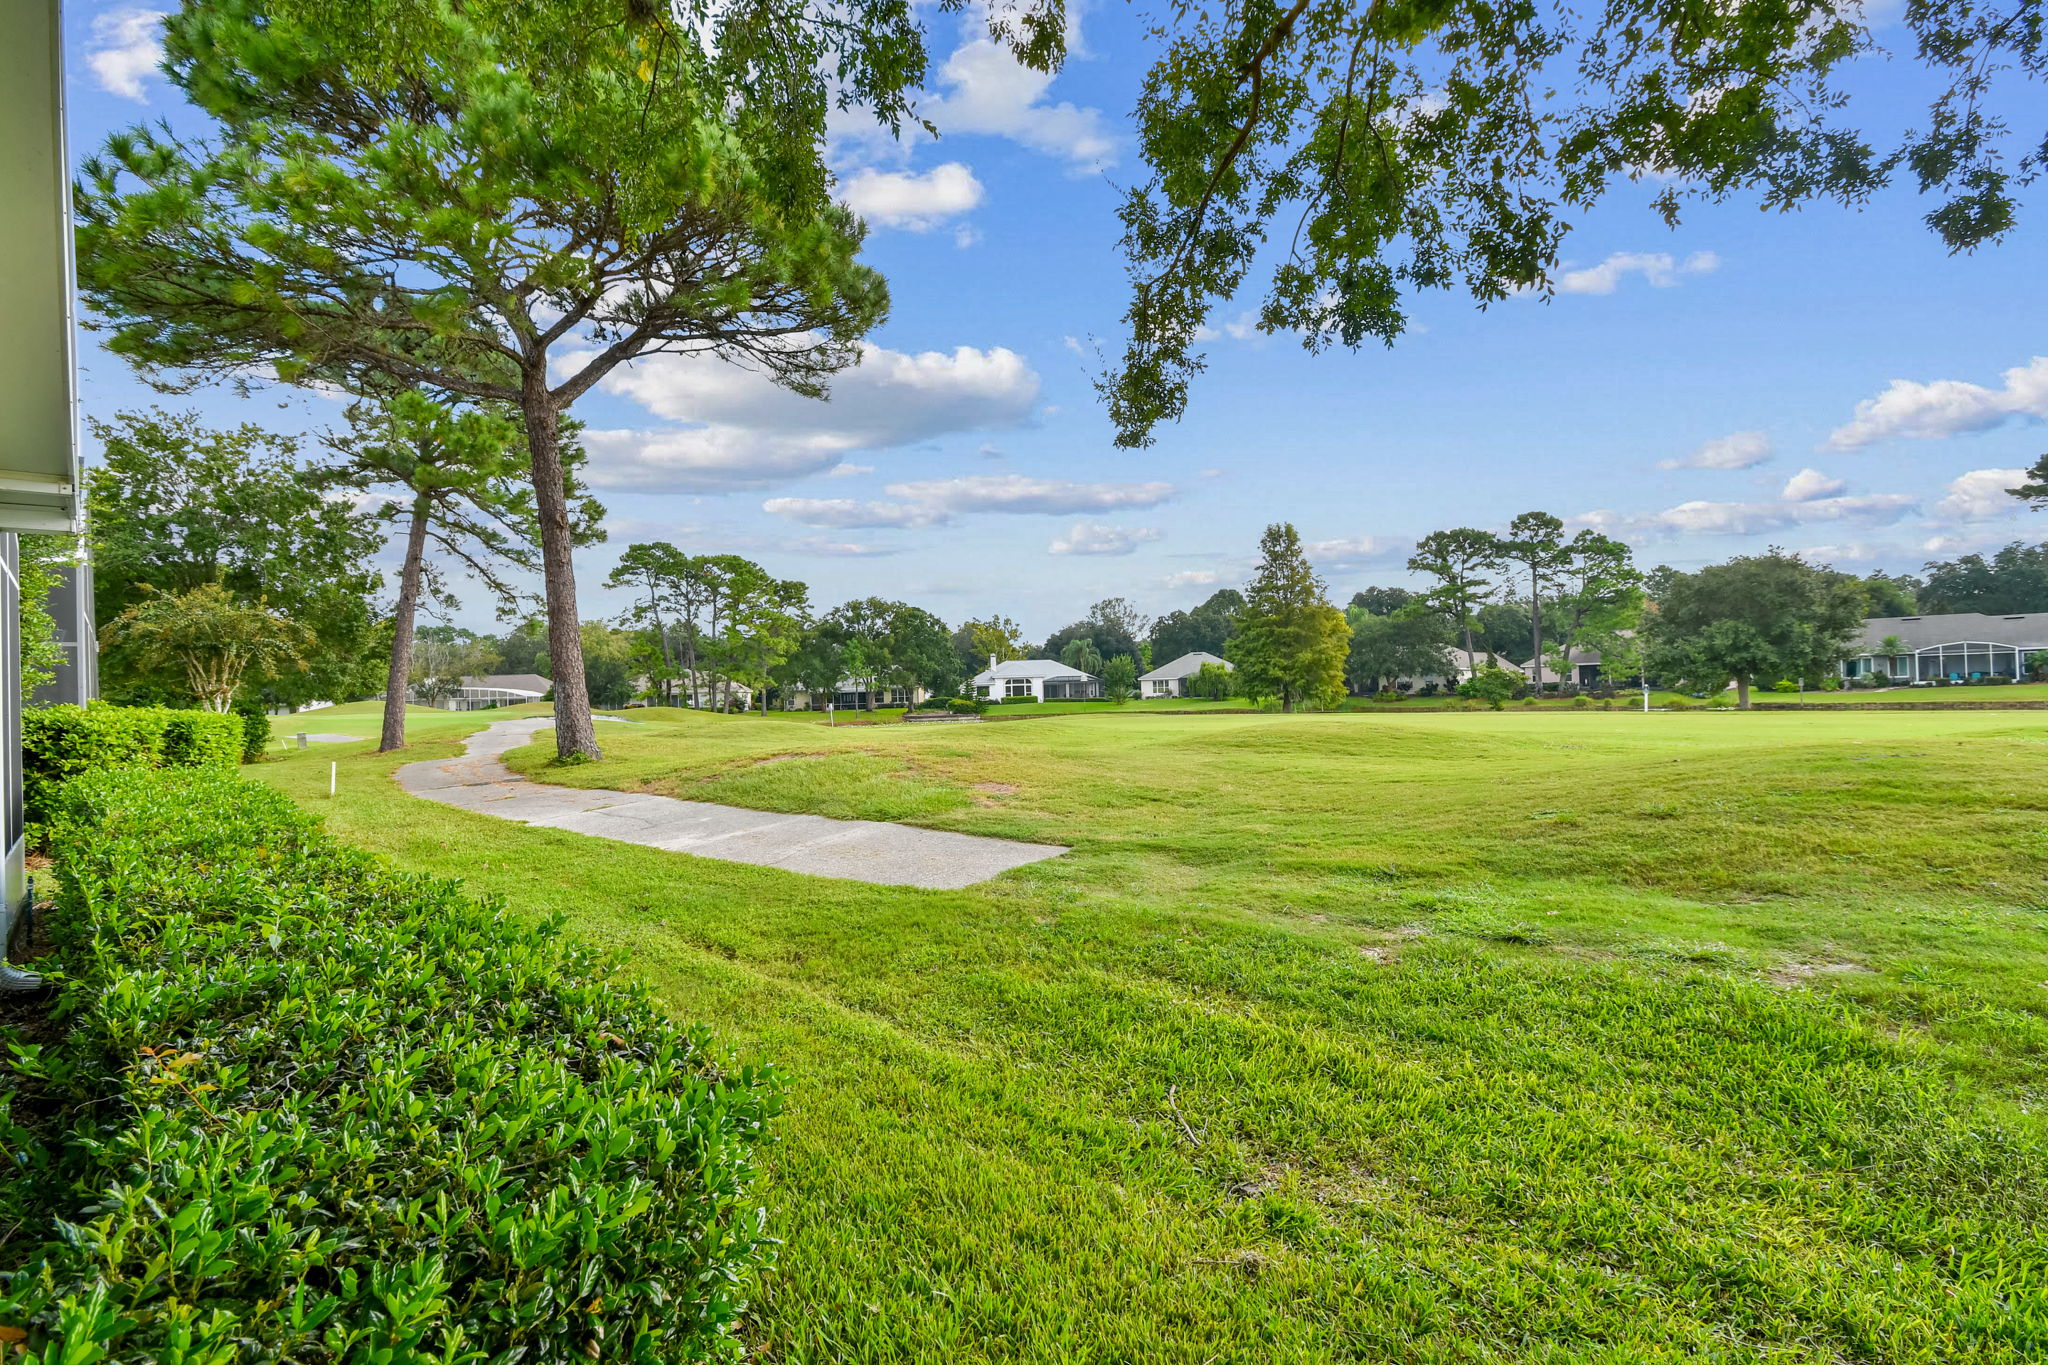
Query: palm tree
x,y
1890,648
212,636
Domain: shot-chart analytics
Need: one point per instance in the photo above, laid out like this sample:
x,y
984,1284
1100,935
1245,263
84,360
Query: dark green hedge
x,y
60,742
308,1108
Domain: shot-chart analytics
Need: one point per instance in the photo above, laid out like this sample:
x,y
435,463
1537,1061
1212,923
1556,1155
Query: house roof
x,y
2027,630
1046,669
1186,666
511,682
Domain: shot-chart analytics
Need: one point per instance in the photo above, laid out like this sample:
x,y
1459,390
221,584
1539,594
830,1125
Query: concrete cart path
x,y
860,850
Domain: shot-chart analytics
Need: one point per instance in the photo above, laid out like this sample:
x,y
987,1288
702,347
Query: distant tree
x,y
1891,595
607,665
879,643
1755,619
997,638
2034,492
1119,679
1493,685
657,574
175,505
1535,545
1082,656
211,637
1212,682
1206,629
1599,593
1408,643
1291,642
1503,629
463,494
1463,562
442,657
920,654
769,623
1112,625
1120,618
2013,580
1380,601
523,649
501,199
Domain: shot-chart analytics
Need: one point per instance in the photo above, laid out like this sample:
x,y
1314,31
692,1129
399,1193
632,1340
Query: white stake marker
x,y
331,768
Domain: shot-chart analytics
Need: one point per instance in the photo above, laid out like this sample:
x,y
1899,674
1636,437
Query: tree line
x,y
234,566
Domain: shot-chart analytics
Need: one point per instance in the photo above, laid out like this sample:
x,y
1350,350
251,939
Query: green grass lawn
x,y
1386,1037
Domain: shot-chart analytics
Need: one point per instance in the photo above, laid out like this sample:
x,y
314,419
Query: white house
x,y
498,689
1039,679
851,694
1171,679
1955,647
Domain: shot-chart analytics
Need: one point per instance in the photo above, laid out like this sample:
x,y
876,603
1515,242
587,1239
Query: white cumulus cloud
x,y
985,90
1981,495
915,203
1945,407
1193,578
1737,450
744,431
1809,484
1700,517
1659,269
1021,493
1094,538
838,549
125,47
843,514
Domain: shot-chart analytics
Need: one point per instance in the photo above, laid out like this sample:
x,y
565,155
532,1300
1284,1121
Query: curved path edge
x,y
856,850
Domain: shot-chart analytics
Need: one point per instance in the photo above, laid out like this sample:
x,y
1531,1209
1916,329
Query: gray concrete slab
x,y
857,850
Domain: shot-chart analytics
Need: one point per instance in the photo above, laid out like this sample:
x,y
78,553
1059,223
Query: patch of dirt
x,y
1799,973
783,758
997,788
1373,953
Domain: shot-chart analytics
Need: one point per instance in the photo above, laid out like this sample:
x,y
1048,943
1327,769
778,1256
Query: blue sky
x,y
1828,381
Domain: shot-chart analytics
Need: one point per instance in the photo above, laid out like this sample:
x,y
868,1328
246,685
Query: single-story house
x,y
851,694
1171,679
497,689
1955,647
1040,679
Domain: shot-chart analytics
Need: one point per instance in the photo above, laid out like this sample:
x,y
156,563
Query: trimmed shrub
x,y
255,730
310,1108
1386,694
967,706
59,743
1020,701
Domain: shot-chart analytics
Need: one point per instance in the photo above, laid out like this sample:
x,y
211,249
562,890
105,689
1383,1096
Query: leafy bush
x,y
1582,700
1678,704
1386,694
1212,682
59,743
1784,685
1020,701
309,1108
255,730
967,706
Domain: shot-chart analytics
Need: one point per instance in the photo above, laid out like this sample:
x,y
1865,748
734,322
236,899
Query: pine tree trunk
x,y
400,676
660,637
575,732
1535,631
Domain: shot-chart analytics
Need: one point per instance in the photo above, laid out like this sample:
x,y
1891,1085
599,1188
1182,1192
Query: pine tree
x,y
1292,642
503,201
